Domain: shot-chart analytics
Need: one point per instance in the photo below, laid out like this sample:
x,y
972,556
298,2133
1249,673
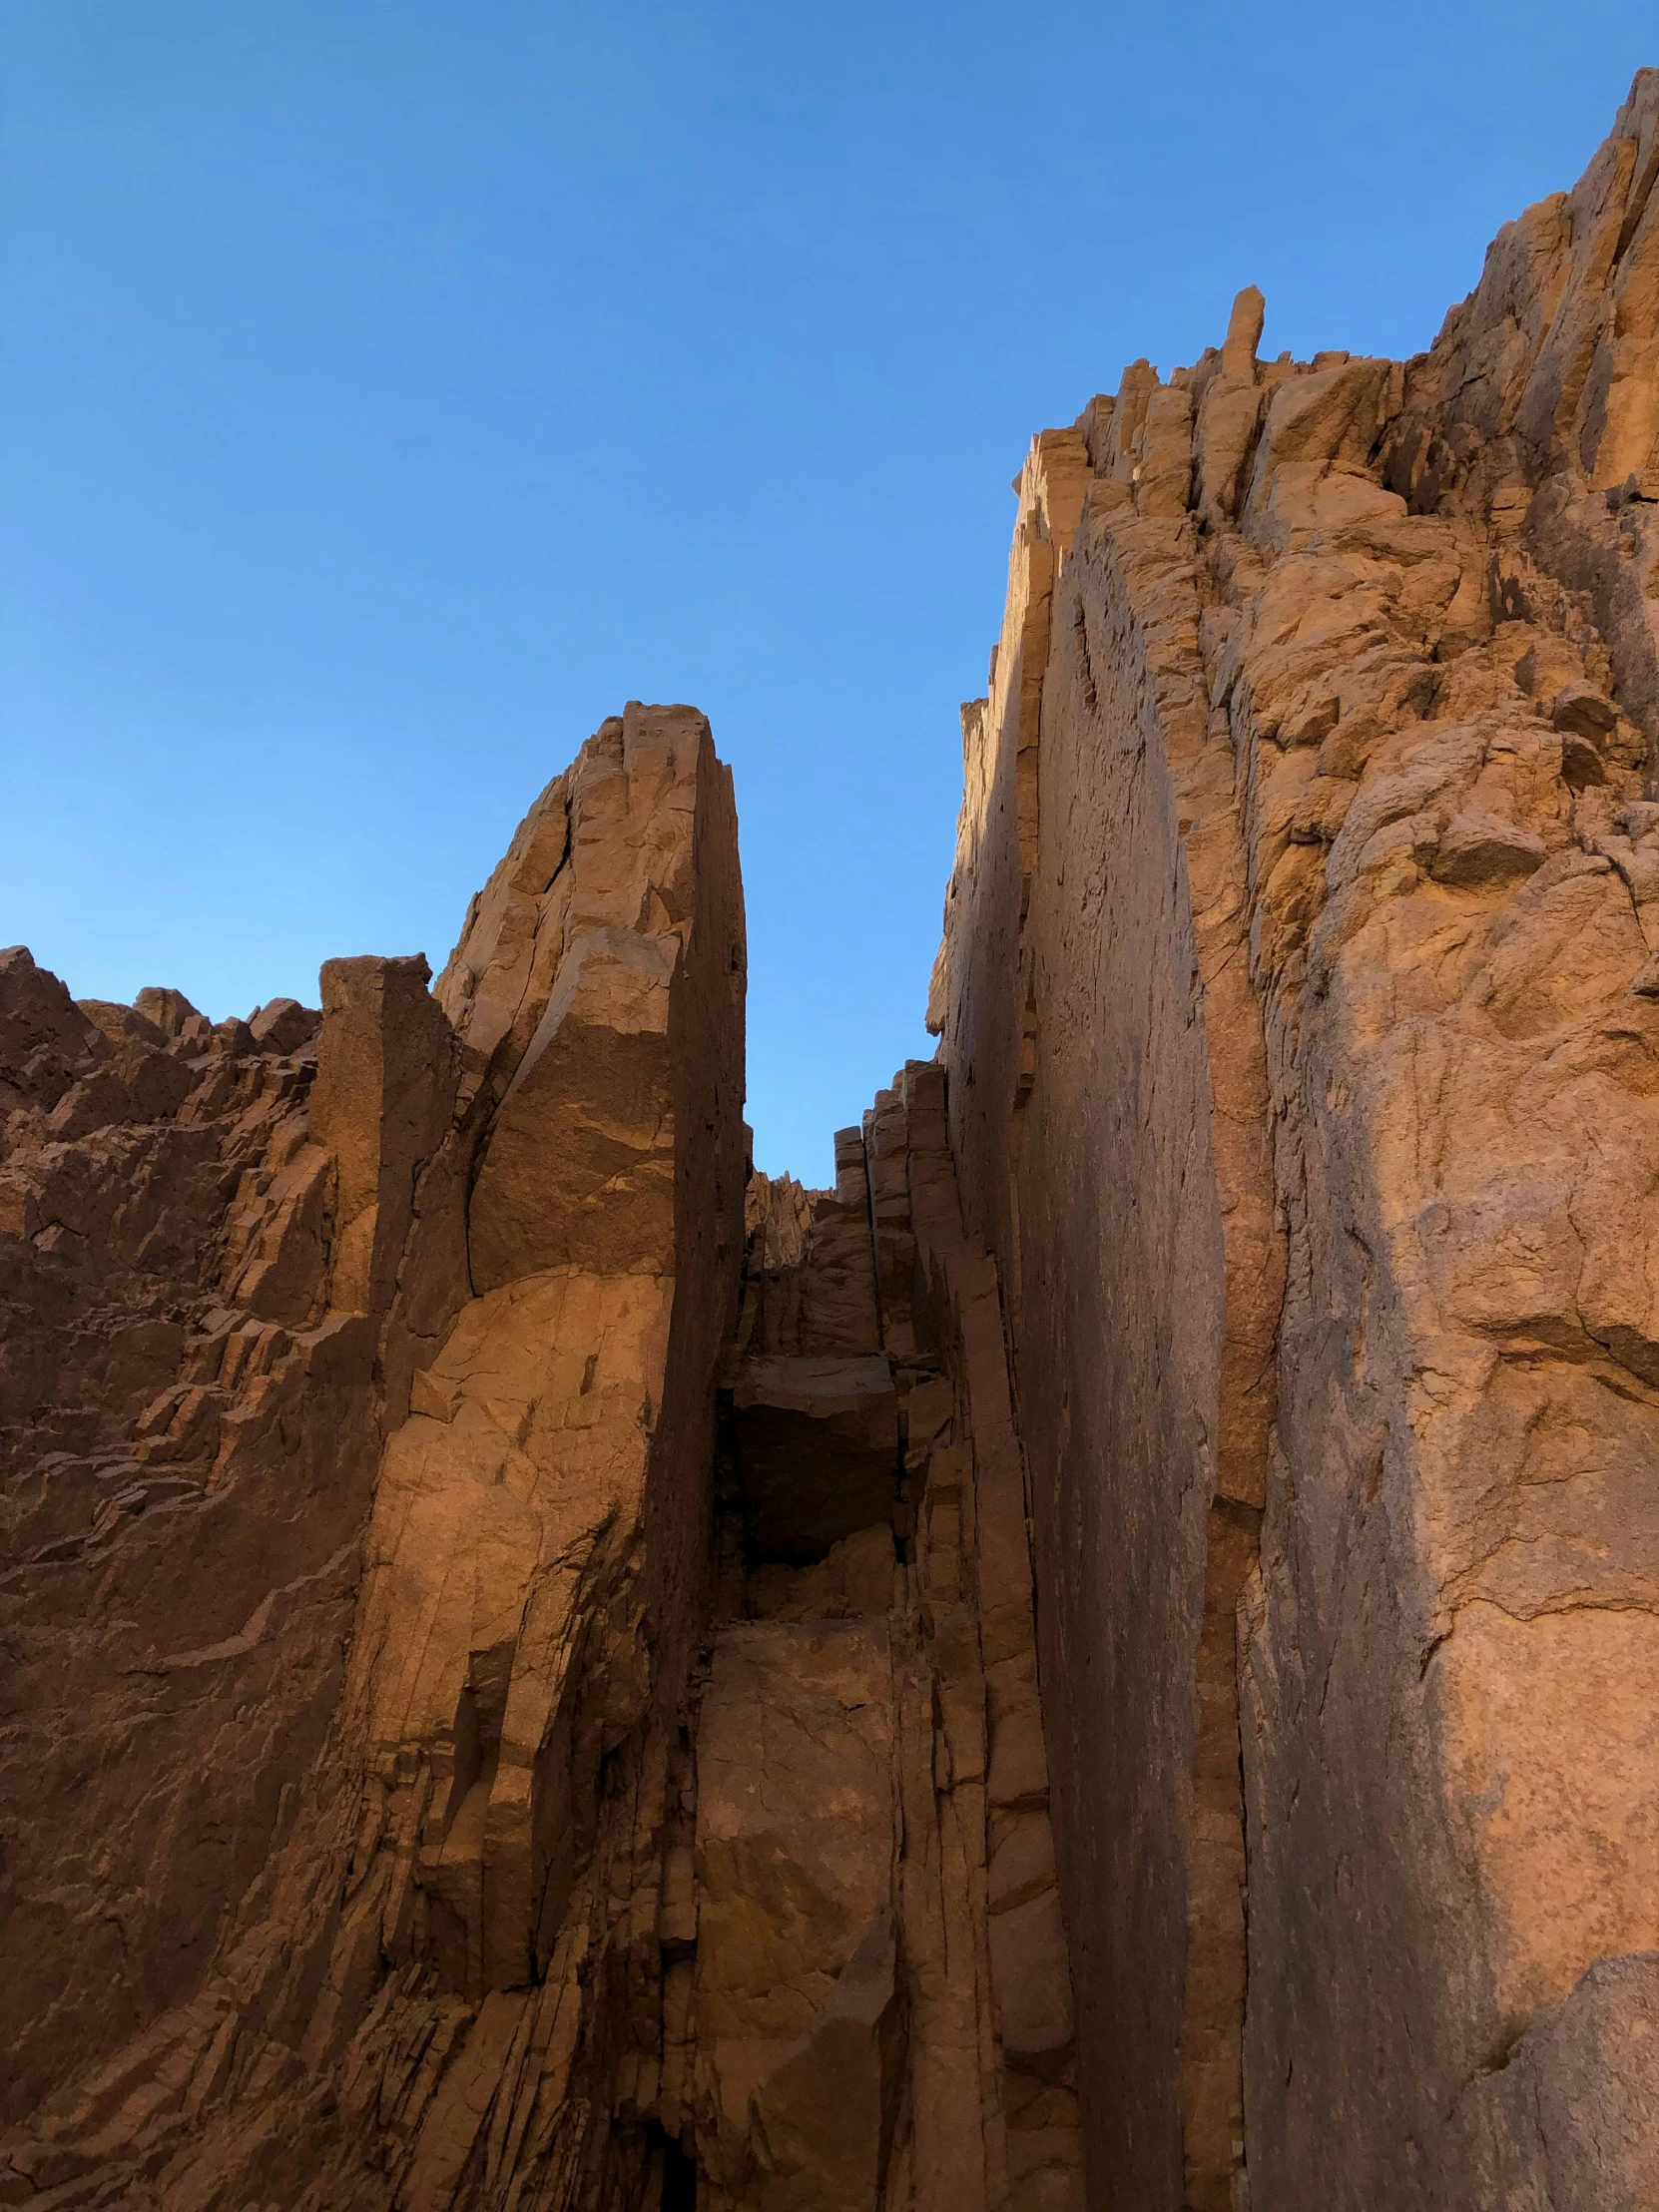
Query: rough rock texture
x,y
190,1432
1297,1003
880,2012
1106,1660
646,1798
353,1660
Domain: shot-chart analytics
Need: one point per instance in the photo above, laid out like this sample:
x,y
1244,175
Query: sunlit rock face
x,y
1103,1662
1298,1005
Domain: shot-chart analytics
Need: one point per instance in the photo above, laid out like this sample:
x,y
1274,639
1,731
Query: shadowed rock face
x,y
818,1443
606,1596
190,1434
359,1518
1104,1660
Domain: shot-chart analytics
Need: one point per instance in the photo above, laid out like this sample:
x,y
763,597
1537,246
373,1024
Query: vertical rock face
x,y
649,1800
1108,1658
880,2012
1298,1035
444,1281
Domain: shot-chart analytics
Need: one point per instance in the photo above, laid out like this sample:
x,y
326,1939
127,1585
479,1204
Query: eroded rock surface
x,y
1296,1002
1105,1660
648,1800
370,1632
881,2008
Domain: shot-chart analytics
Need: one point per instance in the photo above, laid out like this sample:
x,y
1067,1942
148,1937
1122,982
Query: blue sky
x,y
390,390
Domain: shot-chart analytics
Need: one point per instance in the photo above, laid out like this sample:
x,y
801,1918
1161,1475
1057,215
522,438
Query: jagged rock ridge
x,y
1105,1660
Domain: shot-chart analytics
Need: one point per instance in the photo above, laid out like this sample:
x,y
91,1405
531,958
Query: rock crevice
x,y
1105,1660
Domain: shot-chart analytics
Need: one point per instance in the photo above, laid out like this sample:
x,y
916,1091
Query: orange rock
x,y
1106,1659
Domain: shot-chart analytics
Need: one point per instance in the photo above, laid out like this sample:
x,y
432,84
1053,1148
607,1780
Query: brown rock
x,y
381,1104
818,1450
543,1198
1478,850
121,1024
1244,334
533,1590
545,1669
795,1977
1201,1017
283,1025
168,1010
46,1041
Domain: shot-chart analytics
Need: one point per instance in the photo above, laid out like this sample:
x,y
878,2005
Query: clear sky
x,y
393,388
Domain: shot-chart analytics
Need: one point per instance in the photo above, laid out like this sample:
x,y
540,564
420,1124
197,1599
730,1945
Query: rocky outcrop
x,y
1105,1660
1296,1003
665,1813
428,1504
880,2008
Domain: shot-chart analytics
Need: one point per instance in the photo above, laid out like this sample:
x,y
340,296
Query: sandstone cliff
x,y
358,1656
1298,1002
1106,1660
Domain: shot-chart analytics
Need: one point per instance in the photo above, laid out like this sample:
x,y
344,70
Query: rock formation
x,y
1297,1003
1107,1660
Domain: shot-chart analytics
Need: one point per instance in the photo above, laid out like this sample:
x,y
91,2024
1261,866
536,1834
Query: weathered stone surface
x,y
426,1843
818,1450
933,2064
543,1198
283,1025
168,1010
1569,2117
548,1670
1297,1084
188,1457
856,1576
811,1276
795,1992
121,1024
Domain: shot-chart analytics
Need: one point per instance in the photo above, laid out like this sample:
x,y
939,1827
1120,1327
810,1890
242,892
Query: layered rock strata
x,y
1103,1660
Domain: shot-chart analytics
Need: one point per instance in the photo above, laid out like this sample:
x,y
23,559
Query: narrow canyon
x,y
1109,1661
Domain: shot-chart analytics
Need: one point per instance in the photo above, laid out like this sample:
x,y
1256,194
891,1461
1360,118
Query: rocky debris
x,y
1299,1081
168,1010
121,1025
46,1040
283,1025
853,1577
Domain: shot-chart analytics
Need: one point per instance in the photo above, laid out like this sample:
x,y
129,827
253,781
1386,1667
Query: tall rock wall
x,y
429,1505
1296,1006
1104,1661
670,1819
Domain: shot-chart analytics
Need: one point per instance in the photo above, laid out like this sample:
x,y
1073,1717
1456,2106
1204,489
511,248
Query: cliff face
x,y
1105,1660
1297,997
361,1696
